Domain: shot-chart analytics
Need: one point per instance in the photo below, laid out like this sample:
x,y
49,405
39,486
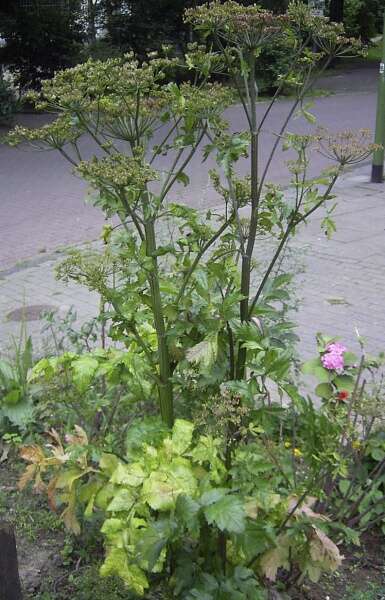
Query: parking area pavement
x,y
341,287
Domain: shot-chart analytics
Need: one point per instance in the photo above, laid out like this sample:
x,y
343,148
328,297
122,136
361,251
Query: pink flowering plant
x,y
334,367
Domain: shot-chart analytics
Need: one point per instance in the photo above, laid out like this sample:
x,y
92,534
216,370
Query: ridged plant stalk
x,y
164,384
247,256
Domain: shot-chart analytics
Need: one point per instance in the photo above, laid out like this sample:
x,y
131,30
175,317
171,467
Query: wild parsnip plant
x,y
200,514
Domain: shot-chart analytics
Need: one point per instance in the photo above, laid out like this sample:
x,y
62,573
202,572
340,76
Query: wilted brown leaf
x,y
275,559
33,454
79,438
27,476
324,551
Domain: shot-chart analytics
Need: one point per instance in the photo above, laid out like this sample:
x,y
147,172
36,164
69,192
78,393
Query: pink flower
x,y
336,348
333,361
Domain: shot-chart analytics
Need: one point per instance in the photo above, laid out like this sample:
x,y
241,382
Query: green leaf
x,y
344,485
205,352
256,539
13,397
344,382
350,359
187,511
149,430
151,542
377,454
163,487
108,463
122,501
112,526
322,374
310,365
309,116
324,390
228,514
183,178
20,414
182,435
104,496
212,496
132,475
116,563
84,370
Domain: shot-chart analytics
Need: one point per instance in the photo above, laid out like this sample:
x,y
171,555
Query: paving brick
x,y
343,286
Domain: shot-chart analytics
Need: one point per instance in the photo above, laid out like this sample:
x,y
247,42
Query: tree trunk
x,y
10,588
337,11
91,21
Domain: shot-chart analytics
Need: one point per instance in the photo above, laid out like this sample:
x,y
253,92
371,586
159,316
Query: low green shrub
x,y
9,104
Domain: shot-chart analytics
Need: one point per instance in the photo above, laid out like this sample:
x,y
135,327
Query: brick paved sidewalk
x,y
343,286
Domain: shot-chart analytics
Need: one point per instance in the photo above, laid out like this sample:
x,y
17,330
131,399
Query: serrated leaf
x,y
84,369
182,433
131,475
212,496
228,514
205,352
162,488
20,414
187,511
122,501
116,563
152,540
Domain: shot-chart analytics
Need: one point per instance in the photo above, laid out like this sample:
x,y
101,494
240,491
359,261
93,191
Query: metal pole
x,y
378,156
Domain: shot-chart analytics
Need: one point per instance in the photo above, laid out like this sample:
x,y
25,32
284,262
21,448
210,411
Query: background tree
x,y
39,39
336,11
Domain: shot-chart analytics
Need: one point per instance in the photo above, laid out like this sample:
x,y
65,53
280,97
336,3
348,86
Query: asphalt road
x,y
42,203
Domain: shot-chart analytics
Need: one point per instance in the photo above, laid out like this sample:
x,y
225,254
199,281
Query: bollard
x,y
378,156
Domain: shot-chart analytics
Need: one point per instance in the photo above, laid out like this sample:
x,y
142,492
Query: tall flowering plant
x,y
215,509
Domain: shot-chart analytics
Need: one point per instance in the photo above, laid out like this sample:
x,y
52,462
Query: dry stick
x,y
373,477
360,516
348,492
374,521
353,398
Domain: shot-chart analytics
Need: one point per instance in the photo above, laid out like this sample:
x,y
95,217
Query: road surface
x,y
42,203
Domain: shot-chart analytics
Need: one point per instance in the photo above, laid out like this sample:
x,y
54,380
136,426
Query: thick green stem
x,y
246,258
164,386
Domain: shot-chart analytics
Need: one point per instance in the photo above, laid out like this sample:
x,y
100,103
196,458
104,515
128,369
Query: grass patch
x,y
374,53
373,592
